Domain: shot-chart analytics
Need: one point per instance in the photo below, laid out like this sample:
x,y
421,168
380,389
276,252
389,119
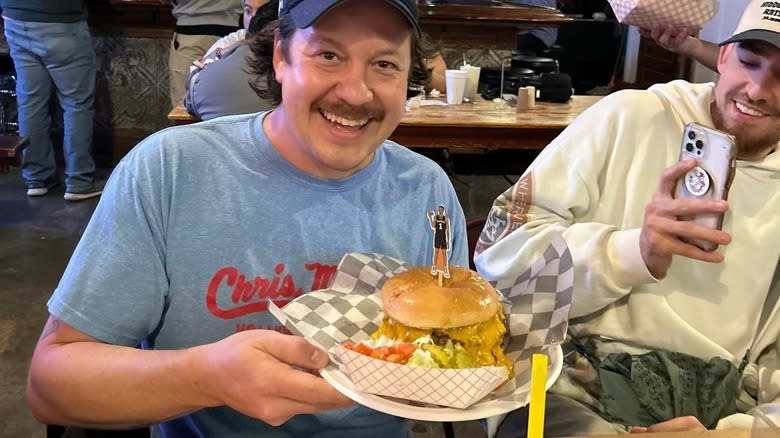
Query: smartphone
x,y
716,153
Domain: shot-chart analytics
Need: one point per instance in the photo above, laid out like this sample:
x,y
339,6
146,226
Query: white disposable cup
x,y
526,98
456,85
472,81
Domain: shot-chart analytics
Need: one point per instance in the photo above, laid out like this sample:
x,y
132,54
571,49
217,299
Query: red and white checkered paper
x,y
674,13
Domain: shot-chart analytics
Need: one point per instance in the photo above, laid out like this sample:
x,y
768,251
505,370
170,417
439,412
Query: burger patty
x,y
440,338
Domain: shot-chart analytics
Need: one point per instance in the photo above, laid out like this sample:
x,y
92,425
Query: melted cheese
x,y
482,341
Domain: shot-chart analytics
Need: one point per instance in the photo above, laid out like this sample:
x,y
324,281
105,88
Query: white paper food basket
x,y
457,388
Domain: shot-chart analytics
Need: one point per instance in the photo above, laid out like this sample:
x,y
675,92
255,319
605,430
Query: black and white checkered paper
x,y
537,304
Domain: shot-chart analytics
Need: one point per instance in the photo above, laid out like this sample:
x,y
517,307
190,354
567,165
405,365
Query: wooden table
x,y
725,433
473,127
180,116
484,125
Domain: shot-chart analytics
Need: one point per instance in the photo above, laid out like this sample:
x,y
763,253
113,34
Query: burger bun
x,y
415,299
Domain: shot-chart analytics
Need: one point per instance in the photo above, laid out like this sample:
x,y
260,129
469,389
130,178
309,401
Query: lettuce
x,y
451,355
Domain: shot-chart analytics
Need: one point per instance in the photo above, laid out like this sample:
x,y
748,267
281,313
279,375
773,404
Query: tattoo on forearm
x,y
51,326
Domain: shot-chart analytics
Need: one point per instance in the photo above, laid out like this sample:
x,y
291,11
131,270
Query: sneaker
x,y
35,189
92,192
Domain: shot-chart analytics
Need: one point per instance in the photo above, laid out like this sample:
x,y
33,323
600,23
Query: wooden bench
x,y
11,151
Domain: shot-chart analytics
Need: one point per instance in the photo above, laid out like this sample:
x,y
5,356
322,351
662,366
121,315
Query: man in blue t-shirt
x,y
201,225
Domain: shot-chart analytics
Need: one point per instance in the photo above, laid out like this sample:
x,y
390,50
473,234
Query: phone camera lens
x,y
691,135
689,147
699,144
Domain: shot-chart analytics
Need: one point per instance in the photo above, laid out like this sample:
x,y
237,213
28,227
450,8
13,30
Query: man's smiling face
x,y
343,88
747,96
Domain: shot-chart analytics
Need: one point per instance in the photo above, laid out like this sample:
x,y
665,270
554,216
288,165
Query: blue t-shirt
x,y
199,225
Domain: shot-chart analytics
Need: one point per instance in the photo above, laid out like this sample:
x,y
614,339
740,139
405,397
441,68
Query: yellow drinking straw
x,y
536,405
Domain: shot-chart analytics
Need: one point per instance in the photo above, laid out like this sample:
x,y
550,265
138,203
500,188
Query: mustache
x,y
353,112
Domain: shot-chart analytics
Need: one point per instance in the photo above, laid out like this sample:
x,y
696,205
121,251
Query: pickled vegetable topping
x,y
423,352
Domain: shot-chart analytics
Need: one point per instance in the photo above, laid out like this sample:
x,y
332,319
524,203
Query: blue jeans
x,y
58,54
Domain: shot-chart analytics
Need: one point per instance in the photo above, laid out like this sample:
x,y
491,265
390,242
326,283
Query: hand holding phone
x,y
715,152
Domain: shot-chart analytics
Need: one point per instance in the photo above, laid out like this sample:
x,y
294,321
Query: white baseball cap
x,y
760,21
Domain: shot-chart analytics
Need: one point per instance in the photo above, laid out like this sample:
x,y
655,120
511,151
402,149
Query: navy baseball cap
x,y
305,12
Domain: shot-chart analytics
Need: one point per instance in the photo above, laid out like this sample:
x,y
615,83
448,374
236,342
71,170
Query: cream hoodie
x,y
591,185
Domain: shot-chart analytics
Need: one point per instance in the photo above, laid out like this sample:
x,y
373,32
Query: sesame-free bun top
x,y
415,299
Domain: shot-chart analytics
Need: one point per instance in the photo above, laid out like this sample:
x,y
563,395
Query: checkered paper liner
x,y
537,304
675,13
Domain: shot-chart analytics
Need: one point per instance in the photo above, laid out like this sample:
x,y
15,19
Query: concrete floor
x,y
38,236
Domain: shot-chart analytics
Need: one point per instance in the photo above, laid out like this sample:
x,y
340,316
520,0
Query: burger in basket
x,y
458,324
441,336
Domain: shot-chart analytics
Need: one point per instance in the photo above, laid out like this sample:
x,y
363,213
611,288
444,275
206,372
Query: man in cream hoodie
x,y
606,184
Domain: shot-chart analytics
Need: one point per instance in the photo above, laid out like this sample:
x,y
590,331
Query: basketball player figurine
x,y
440,224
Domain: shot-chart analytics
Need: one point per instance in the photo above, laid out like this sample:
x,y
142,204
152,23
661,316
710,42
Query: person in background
x,y
227,41
199,24
51,47
682,41
653,318
534,40
201,225
220,84
436,66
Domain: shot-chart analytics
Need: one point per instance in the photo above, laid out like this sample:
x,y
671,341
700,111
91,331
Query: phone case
x,y
716,153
